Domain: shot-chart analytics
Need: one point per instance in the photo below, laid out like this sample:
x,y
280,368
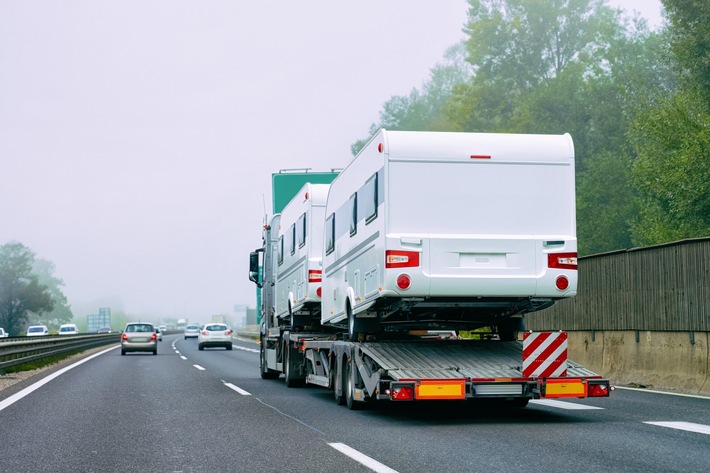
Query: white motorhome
x,y
436,230
297,266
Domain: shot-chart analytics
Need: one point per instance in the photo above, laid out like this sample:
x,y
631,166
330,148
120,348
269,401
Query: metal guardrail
x,y
20,350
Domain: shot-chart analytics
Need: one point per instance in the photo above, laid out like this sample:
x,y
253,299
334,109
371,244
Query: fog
x,y
138,138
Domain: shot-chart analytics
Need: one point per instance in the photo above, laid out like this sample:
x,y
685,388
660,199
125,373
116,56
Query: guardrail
x,y
20,350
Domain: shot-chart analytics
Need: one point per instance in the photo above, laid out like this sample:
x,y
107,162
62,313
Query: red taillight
x,y
598,390
404,281
319,292
124,337
562,283
562,260
204,332
315,275
401,259
402,393
228,332
154,336
480,156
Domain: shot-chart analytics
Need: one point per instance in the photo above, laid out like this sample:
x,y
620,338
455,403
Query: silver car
x,y
215,335
192,331
139,336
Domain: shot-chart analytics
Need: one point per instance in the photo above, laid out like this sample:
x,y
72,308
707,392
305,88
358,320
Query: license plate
x,y
441,389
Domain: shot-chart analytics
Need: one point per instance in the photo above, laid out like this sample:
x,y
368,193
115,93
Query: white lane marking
x,y
183,357
562,404
29,389
687,426
199,367
253,350
694,396
361,458
237,389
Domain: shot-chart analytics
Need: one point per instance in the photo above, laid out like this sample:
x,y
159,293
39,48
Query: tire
x,y
229,347
292,379
123,353
155,352
266,373
337,390
519,402
353,325
200,347
349,380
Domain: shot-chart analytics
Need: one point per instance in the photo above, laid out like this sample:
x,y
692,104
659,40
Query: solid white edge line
x,y
29,389
199,367
237,389
687,426
694,396
361,458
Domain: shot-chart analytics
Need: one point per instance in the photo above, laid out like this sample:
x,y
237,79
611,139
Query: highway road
x,y
209,411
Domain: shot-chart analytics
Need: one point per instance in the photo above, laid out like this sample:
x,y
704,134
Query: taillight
x,y
124,337
562,283
204,332
562,260
315,275
154,336
404,281
598,390
319,291
228,332
401,259
402,393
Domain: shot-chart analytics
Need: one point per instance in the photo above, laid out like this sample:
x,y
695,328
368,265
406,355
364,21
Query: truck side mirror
x,y
254,268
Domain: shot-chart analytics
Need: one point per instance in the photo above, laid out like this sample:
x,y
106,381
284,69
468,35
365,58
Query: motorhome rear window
x,y
330,234
302,230
369,192
353,214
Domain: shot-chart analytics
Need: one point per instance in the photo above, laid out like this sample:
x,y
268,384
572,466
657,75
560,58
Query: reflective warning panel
x,y
544,354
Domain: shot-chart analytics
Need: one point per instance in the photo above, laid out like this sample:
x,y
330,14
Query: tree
x,y
20,290
61,313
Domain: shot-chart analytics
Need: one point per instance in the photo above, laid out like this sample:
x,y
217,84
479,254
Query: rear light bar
x,y
401,259
315,275
562,260
599,389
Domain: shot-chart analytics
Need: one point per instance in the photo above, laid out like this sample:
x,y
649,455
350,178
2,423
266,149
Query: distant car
x,y
37,330
163,328
159,333
139,336
104,330
3,333
192,331
68,329
215,335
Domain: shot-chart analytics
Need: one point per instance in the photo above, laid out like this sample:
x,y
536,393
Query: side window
x,y
302,230
281,250
353,214
370,195
330,234
293,239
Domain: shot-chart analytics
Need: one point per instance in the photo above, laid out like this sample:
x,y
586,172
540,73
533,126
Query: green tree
x,y
61,313
20,291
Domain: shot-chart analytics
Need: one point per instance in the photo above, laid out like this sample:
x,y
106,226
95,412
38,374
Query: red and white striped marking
x,y
544,354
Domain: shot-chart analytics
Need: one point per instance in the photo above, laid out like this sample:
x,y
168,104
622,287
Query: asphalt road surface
x,y
209,411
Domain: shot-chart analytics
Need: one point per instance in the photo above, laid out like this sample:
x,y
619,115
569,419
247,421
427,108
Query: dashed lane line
x,y
687,426
199,367
237,389
361,458
563,404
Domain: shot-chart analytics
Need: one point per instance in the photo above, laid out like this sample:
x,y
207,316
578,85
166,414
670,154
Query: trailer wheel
x,y
349,378
266,373
519,402
337,388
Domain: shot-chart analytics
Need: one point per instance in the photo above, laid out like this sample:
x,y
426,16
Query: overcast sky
x,y
138,138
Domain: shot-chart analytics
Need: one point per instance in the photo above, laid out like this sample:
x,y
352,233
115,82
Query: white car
x,y
159,333
68,329
37,331
192,331
215,335
3,333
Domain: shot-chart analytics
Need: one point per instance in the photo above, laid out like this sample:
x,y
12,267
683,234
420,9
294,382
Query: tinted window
x,y
302,230
369,192
353,214
281,250
293,239
330,234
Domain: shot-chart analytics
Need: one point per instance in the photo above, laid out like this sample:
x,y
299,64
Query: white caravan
x,y
297,266
436,230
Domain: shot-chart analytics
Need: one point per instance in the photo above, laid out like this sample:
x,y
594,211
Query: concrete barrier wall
x,y
677,361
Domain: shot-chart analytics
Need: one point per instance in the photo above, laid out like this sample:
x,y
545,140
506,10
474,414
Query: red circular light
x,y
319,292
380,147
403,281
562,283
306,195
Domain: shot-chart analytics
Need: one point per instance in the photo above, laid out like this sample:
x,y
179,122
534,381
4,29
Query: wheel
x,y
229,347
155,352
200,347
349,378
519,402
266,373
353,325
123,353
185,338
337,389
